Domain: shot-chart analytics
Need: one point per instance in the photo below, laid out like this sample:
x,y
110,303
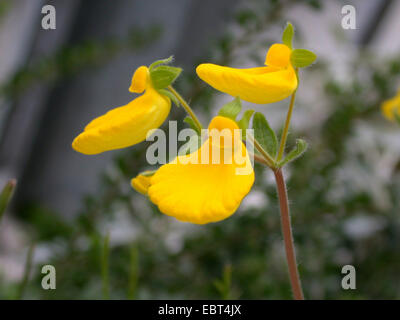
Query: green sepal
x,y
163,76
264,135
160,62
244,122
192,125
170,95
287,35
297,151
301,58
231,109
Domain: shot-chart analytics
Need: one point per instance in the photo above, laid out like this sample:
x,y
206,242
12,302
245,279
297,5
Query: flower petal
x,y
389,107
197,192
140,80
258,85
141,182
124,126
278,55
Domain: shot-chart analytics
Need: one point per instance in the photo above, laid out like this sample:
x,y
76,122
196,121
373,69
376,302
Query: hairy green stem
x,y
287,235
186,106
267,159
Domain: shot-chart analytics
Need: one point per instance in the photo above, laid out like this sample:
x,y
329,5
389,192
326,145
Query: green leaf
x,y
192,124
160,62
287,35
163,76
264,135
170,95
301,58
299,149
231,109
6,195
244,122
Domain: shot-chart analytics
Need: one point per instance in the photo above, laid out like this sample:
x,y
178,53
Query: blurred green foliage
x,y
70,61
241,257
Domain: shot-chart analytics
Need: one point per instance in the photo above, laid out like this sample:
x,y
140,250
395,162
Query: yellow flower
x,y
391,107
274,82
206,185
127,125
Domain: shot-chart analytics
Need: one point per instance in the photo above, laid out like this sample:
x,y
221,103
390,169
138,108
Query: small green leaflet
x,y
163,76
244,122
298,150
301,58
160,62
287,35
231,109
264,135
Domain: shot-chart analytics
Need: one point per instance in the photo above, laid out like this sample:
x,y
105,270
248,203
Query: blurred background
x,y
344,192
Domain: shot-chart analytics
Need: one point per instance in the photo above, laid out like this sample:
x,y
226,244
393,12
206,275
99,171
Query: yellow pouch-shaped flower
x,y
391,107
204,186
127,125
272,83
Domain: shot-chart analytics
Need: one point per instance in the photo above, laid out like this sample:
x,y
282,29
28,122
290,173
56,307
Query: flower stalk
x,y
186,106
288,236
286,127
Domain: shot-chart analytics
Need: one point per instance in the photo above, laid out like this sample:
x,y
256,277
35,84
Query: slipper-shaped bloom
x,y
391,107
272,83
127,125
207,185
